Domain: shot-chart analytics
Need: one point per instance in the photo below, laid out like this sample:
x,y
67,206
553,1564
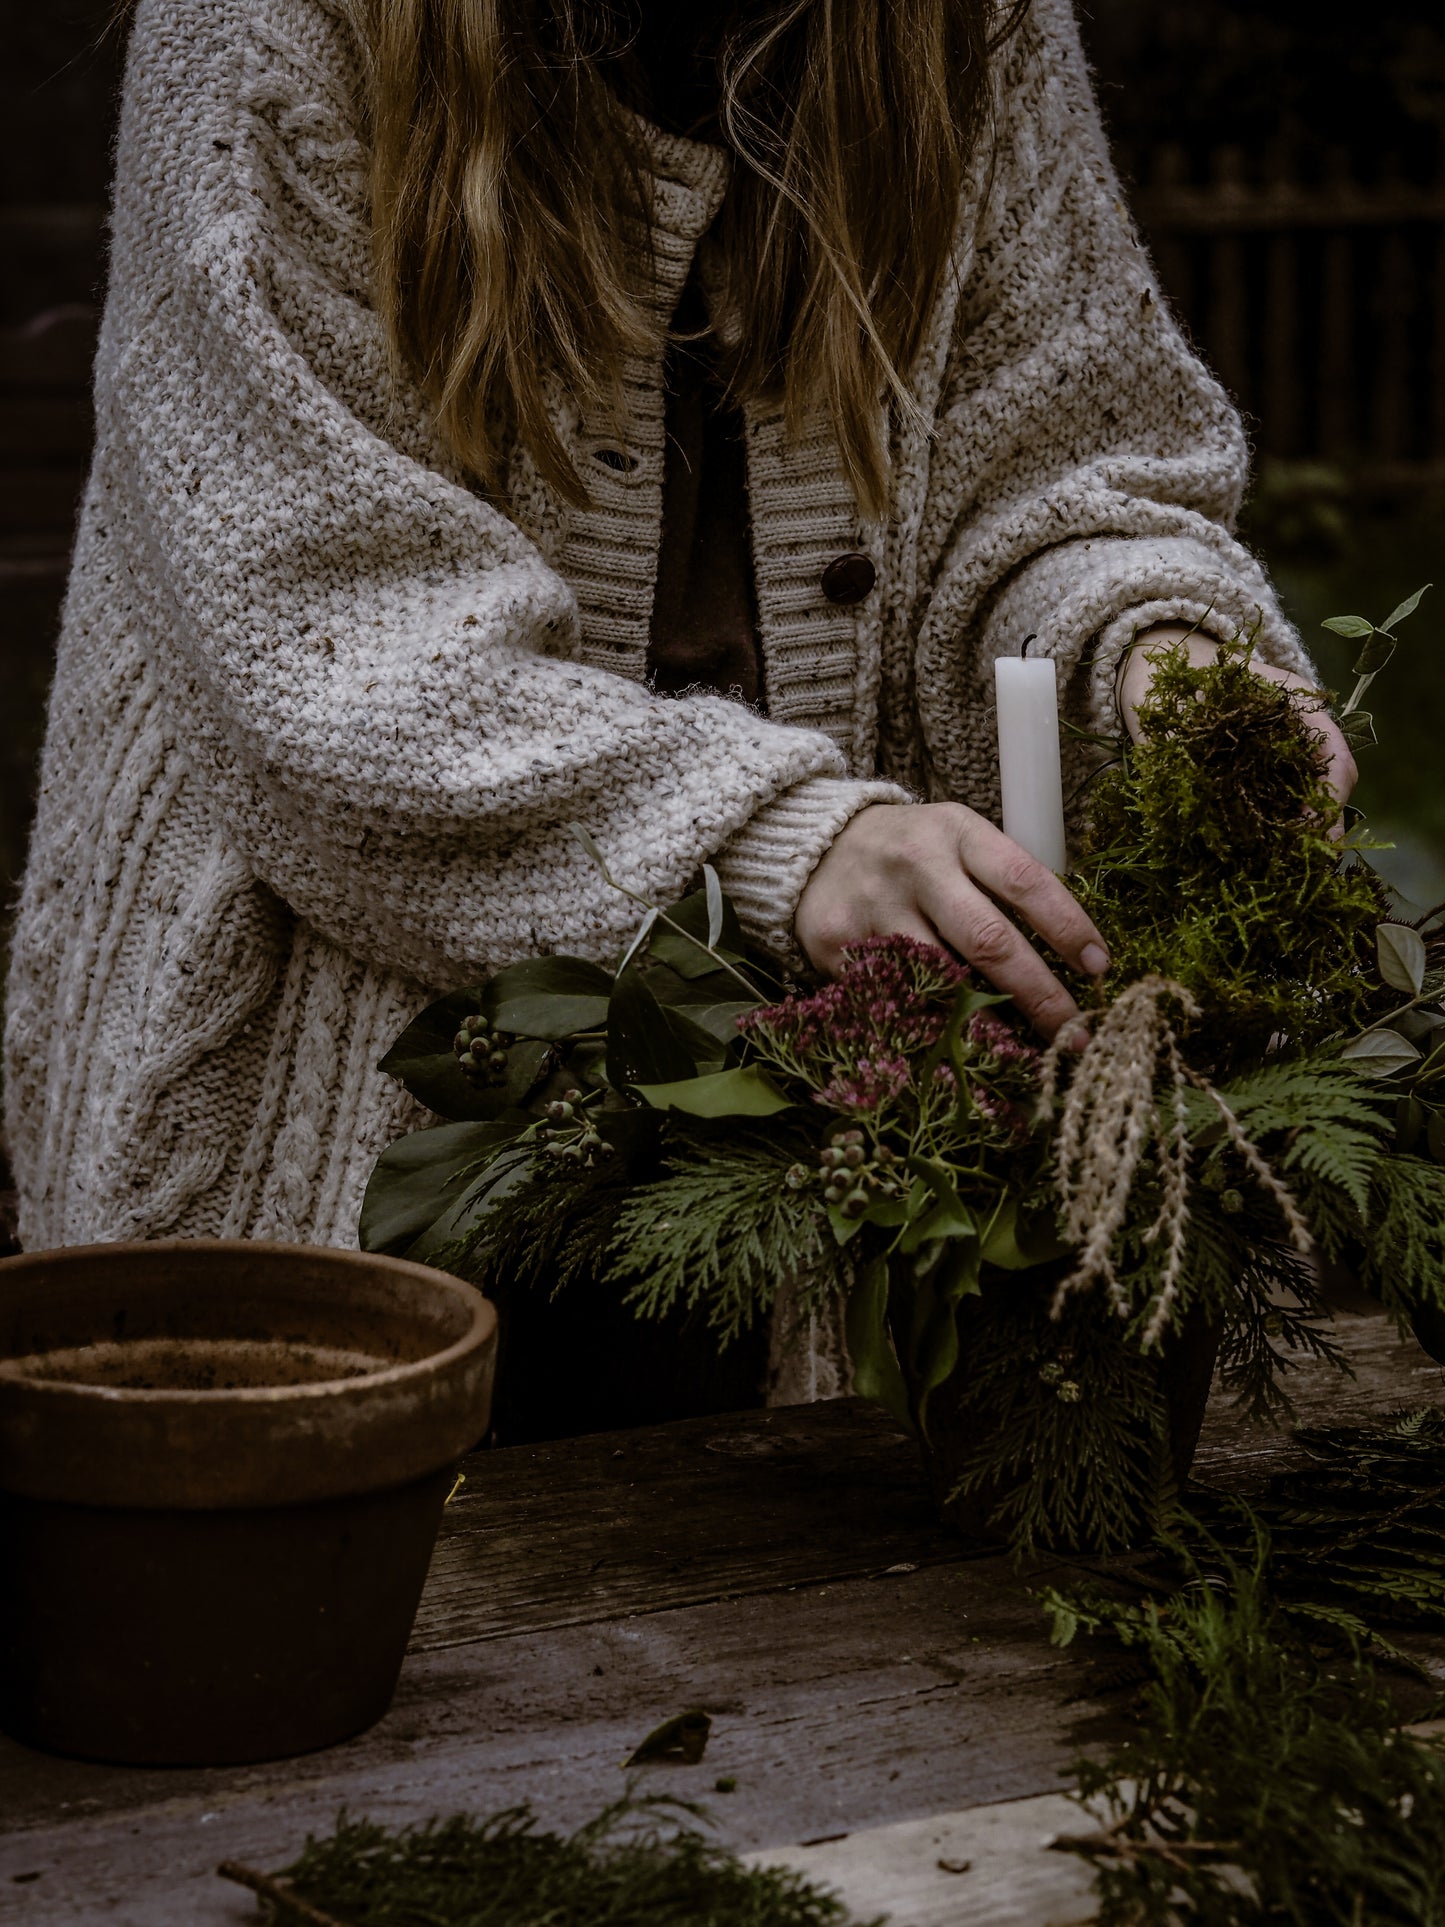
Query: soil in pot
x,y
222,1467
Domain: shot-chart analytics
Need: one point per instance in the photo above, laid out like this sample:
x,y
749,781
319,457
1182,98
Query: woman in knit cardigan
x,y
508,419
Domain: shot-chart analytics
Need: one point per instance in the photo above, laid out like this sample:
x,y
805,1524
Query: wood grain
x,y
783,1570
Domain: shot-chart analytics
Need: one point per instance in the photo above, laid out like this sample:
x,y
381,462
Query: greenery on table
x,y
639,1864
1022,1240
1266,1778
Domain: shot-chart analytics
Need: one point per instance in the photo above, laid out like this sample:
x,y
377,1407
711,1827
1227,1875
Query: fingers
x,y
973,925
1014,877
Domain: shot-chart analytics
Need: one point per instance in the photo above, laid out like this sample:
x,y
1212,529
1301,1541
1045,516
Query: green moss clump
x,y
1209,859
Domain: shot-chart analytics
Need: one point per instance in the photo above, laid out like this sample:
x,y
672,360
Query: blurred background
x,y
1287,165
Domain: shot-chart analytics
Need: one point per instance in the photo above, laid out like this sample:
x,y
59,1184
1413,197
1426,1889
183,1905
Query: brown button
x,y
848,578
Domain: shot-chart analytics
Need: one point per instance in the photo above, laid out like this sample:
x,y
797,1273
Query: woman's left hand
x,y
1340,771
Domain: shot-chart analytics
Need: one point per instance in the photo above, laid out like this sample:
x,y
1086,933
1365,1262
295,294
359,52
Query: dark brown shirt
x,y
704,614
704,610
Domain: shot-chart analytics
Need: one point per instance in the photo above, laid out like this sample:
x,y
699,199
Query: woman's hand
x,y
939,872
1340,772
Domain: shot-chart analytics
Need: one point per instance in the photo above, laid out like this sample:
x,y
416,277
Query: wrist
x,y
1140,660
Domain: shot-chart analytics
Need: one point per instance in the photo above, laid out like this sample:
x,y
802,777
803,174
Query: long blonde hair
x,y
510,213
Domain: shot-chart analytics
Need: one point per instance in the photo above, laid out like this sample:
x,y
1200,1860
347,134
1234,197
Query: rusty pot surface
x,y
222,1467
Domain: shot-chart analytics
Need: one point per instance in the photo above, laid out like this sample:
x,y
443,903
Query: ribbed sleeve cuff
x,y
1112,588
765,864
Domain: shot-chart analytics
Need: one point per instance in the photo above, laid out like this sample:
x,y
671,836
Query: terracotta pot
x,y
222,1467
954,1433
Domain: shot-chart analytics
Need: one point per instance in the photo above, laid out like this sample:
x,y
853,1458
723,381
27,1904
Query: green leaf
x,y
937,1179
934,1335
876,1372
1401,952
421,1176
1375,654
1014,1243
641,1046
507,1173
550,997
1409,1123
527,1060
423,1058
1348,625
1406,608
1357,726
749,1092
685,948
1378,1053
719,1020
705,1052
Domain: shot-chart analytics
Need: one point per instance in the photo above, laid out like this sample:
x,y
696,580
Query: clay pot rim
x,y
479,1332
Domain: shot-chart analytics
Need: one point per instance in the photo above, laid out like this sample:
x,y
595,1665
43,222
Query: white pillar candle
x,y
1030,775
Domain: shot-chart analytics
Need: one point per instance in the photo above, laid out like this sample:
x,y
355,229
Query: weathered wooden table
x,y
875,1691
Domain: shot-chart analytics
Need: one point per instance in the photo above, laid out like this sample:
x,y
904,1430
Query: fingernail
x,y
1095,959
1076,1041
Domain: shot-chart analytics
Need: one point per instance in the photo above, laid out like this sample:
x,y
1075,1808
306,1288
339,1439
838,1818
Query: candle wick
x,y
1027,640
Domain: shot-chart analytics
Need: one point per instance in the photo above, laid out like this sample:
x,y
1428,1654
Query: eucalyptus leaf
x,y
549,997
876,1372
1348,625
1378,1053
423,1058
641,1046
1357,726
748,1092
1401,952
589,844
644,931
683,941
715,906
1406,608
421,1176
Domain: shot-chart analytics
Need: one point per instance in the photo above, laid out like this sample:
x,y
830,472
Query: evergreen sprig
x,y
639,1864
1267,1780
720,1233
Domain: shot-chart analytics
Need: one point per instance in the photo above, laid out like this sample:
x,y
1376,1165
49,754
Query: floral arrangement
x,y
1038,1254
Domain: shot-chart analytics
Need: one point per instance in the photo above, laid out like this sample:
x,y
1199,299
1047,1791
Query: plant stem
x,y
277,1893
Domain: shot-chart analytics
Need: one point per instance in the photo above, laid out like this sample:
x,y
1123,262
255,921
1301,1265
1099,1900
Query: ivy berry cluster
x,y
570,1135
850,1178
482,1052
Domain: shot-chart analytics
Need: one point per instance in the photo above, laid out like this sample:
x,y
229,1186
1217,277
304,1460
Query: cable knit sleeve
x,y
1086,470
368,666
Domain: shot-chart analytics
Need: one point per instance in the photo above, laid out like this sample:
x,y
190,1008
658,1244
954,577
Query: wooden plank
x,y
990,1866
589,1529
835,1708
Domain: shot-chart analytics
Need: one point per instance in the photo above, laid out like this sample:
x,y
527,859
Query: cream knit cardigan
x,y
322,715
